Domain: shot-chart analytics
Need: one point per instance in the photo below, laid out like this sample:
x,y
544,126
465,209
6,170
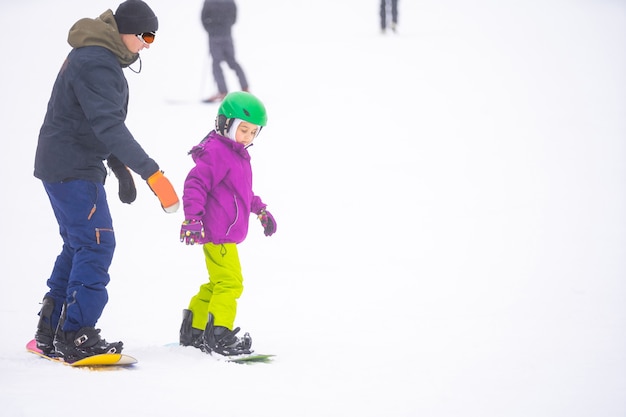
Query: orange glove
x,y
162,188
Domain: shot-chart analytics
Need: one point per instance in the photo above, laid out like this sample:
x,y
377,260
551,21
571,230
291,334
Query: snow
x,y
450,203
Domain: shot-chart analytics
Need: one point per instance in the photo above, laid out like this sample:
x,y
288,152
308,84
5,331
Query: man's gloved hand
x,y
268,222
127,191
191,231
163,189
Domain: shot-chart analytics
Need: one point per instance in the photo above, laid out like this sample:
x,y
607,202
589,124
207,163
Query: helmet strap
x,y
222,124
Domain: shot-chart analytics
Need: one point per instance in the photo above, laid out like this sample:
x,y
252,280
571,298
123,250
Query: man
x,y
218,18
83,126
393,6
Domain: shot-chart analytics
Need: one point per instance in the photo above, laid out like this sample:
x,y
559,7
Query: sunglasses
x,y
146,37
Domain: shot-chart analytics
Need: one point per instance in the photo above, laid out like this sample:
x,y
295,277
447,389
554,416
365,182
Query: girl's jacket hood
x,y
101,31
197,151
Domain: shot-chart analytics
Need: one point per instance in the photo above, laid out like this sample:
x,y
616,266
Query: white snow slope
x,y
451,206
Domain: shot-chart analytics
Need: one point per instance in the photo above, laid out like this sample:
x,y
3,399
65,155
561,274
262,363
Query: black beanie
x,y
135,17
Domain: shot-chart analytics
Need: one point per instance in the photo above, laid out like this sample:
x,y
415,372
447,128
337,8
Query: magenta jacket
x,y
218,190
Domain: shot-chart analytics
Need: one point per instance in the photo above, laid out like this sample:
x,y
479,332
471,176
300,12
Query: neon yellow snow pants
x,y
218,296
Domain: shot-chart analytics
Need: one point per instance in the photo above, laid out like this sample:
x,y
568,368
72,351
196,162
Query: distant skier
x,y
387,6
218,200
83,126
218,18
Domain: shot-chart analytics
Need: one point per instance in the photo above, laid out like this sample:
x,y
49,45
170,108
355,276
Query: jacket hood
x,y
197,151
101,31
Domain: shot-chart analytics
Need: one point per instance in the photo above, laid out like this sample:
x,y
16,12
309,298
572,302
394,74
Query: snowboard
x,y
96,361
250,358
247,358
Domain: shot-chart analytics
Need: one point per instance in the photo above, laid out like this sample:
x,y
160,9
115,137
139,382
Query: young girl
x,y
217,200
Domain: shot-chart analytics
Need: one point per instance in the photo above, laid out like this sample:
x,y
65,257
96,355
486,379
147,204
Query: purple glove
x,y
191,231
268,222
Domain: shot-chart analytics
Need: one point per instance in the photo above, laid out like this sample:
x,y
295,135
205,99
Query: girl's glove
x,y
268,222
191,231
127,191
163,189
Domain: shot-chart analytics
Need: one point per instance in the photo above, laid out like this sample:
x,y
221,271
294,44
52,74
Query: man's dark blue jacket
x,y
84,122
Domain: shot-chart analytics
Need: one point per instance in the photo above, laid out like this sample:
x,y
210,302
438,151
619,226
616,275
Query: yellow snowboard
x,y
107,359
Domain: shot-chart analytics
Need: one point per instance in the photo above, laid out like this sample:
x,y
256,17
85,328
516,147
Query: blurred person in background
x,y
388,7
218,18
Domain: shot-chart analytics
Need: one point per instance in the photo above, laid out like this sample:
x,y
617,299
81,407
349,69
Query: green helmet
x,y
243,105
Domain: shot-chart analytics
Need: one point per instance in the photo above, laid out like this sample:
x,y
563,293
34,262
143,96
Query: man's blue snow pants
x,y
80,274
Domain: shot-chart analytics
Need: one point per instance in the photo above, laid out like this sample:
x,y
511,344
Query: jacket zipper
x,y
236,216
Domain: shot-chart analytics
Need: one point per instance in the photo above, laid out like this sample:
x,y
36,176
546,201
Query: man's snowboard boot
x,y
73,346
45,333
221,340
190,336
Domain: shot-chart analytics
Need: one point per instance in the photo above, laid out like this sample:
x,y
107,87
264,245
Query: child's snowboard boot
x,y
190,336
221,340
